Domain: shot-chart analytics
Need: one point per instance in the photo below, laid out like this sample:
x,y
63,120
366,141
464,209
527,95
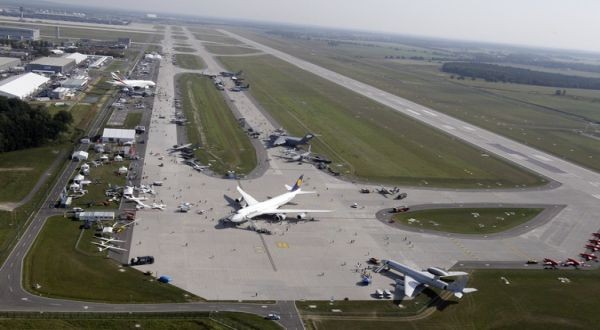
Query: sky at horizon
x,y
540,23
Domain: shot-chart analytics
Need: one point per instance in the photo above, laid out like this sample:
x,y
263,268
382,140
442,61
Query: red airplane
x,y
588,256
572,262
595,241
593,247
596,234
550,262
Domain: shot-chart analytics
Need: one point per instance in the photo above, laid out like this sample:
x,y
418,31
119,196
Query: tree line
x,y
499,73
23,126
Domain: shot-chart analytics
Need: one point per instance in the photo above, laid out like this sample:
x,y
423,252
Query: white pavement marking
x,y
413,112
469,128
429,113
448,127
540,157
596,196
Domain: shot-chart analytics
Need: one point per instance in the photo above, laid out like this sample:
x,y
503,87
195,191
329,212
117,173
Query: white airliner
x,y
255,208
120,81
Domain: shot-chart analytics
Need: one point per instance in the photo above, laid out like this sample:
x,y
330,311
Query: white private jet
x,y
156,206
102,246
271,206
415,280
116,227
118,80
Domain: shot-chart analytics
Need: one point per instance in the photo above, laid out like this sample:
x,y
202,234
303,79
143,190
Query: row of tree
x,y
23,126
500,73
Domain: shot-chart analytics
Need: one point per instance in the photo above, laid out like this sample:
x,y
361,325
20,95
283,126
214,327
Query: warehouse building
x,y
75,83
78,57
22,86
118,135
51,65
7,63
15,33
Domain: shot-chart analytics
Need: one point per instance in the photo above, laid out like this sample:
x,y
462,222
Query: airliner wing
x,y
275,211
249,199
410,285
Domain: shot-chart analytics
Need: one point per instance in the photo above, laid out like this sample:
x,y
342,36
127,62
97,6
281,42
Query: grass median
x,y
467,220
189,61
212,126
368,140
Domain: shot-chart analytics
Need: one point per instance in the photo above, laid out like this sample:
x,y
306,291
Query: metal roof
x,y
78,57
118,133
54,61
23,85
9,60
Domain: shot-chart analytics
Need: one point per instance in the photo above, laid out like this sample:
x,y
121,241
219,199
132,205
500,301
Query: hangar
x,y
118,135
51,65
78,57
22,86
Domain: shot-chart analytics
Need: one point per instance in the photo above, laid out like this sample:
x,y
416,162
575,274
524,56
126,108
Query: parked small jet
x,y
572,262
414,280
277,140
102,246
271,206
118,80
388,191
550,263
589,256
593,247
156,206
180,147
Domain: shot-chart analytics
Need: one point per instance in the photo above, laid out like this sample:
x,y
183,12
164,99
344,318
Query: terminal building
x,y
51,65
16,33
22,86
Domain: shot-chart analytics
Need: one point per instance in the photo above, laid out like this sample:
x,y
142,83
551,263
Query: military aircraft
x,y
118,80
550,263
388,191
295,156
277,140
414,280
254,208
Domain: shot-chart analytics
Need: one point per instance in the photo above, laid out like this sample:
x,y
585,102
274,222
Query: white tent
x,y
118,158
80,155
122,170
78,178
22,86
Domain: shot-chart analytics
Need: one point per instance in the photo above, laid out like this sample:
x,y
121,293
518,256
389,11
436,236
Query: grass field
x,y
534,299
467,220
132,120
20,170
105,175
184,49
370,141
189,61
212,126
528,114
66,269
217,38
230,50
199,320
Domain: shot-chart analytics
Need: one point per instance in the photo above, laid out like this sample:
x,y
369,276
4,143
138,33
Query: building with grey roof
x,y
17,33
51,65
7,63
